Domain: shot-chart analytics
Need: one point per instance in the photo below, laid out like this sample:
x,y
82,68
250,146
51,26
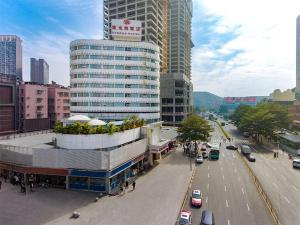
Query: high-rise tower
x,y
39,71
176,87
154,17
298,58
11,55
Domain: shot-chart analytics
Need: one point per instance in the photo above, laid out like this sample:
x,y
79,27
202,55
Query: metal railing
x,y
12,136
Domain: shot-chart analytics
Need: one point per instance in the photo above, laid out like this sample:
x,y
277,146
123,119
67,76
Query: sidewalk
x,y
156,200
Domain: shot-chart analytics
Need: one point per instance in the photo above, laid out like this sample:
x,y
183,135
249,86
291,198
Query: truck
x,y
246,150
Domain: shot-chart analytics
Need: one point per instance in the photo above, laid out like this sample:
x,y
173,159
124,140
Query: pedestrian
x,y
0,184
5,177
277,154
220,144
274,155
133,185
126,184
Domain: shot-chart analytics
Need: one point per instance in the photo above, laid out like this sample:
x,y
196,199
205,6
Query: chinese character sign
x,y
126,28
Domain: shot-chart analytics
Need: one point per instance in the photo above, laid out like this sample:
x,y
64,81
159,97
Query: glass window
x,y
108,48
119,85
119,57
119,95
96,47
108,67
119,67
119,76
119,48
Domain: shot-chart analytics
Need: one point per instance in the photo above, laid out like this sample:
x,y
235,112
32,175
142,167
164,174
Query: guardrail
x,y
12,136
262,193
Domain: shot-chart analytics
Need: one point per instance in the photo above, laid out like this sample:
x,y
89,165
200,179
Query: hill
x,y
206,100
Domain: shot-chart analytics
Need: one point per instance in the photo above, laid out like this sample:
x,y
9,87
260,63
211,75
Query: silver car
x,y
199,159
296,163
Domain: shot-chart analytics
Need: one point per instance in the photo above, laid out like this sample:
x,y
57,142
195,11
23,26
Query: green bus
x,y
214,152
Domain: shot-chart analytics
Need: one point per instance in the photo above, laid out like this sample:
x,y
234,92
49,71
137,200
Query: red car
x,y
196,198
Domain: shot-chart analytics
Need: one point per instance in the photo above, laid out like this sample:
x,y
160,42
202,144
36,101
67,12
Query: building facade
x,y
33,100
154,17
112,80
176,86
11,55
39,71
298,58
58,103
8,104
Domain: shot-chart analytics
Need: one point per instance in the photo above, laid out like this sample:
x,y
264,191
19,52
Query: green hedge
x,y
84,128
224,132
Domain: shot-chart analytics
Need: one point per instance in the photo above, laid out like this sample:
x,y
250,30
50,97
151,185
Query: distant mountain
x,y
206,100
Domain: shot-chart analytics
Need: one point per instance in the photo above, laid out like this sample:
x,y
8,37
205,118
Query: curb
x,y
186,193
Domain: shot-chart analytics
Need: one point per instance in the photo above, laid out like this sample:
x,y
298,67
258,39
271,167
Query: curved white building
x,y
112,80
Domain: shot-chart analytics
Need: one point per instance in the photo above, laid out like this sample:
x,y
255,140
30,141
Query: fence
x,y
12,136
16,155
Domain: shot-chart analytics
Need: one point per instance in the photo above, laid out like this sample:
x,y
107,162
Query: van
x,y
296,163
207,218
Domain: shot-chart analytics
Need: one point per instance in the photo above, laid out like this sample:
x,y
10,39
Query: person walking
x,y
126,184
274,155
133,185
0,184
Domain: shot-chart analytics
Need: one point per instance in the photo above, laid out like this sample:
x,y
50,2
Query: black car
x,y
250,158
207,218
232,147
204,155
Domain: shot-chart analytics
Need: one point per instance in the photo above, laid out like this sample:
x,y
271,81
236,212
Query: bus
x,y
214,151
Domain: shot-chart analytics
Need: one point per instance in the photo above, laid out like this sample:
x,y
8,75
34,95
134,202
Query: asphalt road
x,y
228,191
278,178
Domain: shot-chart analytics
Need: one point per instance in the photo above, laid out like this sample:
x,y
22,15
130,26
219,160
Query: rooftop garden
x,y
110,128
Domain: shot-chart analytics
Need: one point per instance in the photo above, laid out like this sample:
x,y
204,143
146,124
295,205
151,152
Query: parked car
x,y
199,159
203,148
204,155
207,218
196,198
250,158
296,163
232,147
185,218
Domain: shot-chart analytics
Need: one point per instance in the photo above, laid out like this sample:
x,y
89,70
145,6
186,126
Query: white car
x,y
196,198
199,159
185,218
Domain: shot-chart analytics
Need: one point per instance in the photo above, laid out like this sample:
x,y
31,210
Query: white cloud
x,y
266,36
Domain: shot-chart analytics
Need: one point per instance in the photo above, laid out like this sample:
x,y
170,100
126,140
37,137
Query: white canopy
x,y
95,122
80,118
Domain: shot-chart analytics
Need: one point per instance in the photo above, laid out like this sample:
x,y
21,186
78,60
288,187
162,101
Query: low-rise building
x,y
58,103
95,162
8,104
33,101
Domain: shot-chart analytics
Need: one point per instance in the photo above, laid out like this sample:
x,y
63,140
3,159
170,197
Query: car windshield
x,y
183,221
196,195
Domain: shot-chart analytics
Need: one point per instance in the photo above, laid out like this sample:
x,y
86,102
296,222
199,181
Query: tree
x,y
239,113
194,128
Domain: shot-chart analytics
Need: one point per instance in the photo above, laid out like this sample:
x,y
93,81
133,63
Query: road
x,y
228,191
277,177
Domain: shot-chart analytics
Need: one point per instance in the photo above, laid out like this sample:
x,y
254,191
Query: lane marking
x,y
221,168
248,207
225,188
228,222
206,199
235,170
288,201
208,175
239,179
223,177
208,167
275,185
243,191
227,203
207,186
296,189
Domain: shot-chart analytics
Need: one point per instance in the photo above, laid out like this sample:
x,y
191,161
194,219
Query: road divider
x,y
223,131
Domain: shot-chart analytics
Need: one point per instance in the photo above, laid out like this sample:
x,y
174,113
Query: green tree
x,y
194,128
239,113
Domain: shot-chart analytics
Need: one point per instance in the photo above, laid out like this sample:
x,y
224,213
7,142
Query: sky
x,y
241,48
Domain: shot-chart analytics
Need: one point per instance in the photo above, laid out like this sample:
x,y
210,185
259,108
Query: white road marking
x,y
296,189
223,177
221,168
208,167
239,179
206,200
207,186
248,207
275,185
208,175
243,191
227,203
288,201
225,188
235,170
228,222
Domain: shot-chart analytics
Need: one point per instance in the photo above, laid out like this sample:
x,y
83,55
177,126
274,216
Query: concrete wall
x,y
16,155
96,141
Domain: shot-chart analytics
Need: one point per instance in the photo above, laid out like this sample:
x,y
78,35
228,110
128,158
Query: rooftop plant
x,y
110,128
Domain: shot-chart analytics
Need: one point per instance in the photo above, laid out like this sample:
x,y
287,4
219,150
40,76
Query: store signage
x,y
124,29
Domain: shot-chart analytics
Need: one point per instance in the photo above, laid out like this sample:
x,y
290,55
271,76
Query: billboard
x,y
126,30
241,100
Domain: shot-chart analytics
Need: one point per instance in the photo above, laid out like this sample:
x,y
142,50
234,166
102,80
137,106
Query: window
x,y
119,48
108,48
119,57
119,67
